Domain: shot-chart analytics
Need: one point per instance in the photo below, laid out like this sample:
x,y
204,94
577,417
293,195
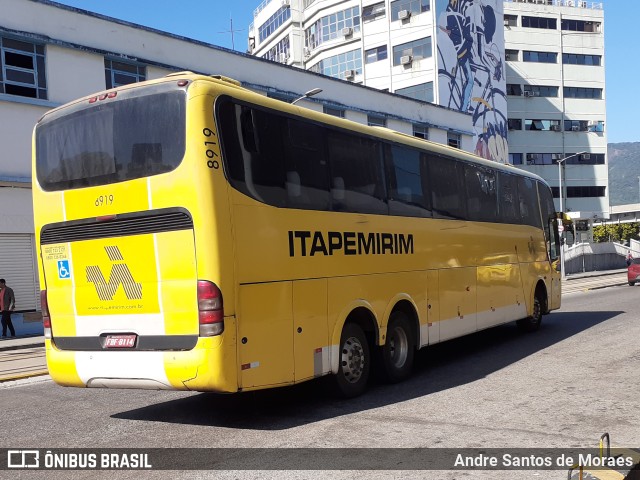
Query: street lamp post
x,y
308,94
560,162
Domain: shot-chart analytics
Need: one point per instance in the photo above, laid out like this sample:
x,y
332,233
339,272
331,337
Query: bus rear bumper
x,y
210,366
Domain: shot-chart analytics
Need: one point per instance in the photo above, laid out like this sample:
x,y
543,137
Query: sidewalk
x,y
576,276
29,332
21,341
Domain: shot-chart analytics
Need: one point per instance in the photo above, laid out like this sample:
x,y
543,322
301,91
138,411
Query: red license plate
x,y
120,341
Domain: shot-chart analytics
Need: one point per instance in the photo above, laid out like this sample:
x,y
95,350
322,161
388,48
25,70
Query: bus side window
x,y
509,210
447,187
253,151
528,197
306,166
482,198
407,180
356,167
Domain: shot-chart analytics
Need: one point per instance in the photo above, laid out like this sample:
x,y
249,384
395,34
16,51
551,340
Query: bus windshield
x,y
111,142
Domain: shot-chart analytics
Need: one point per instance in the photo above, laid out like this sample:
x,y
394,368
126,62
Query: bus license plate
x,y
120,341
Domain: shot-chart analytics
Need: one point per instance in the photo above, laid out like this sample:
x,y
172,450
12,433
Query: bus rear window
x,y
112,142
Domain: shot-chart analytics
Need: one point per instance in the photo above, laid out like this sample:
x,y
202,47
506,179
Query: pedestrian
x,y
629,259
7,305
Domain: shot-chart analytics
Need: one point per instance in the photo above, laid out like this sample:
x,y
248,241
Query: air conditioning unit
x,y
575,128
350,74
506,22
528,93
404,14
592,123
585,156
406,60
532,157
555,128
347,31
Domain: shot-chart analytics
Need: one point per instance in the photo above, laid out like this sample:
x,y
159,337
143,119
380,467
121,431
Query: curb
x,y
20,376
24,378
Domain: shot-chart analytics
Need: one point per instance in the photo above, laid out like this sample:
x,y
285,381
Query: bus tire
x,y
354,362
532,323
397,353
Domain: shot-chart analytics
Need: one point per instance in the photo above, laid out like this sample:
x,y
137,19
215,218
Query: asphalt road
x,y
561,387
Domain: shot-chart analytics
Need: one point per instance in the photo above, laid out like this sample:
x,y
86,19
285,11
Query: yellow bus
x,y
195,235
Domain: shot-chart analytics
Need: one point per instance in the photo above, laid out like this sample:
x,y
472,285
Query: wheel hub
x,y
352,359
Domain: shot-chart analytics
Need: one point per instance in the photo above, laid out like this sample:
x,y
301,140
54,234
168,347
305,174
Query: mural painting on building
x,y
471,75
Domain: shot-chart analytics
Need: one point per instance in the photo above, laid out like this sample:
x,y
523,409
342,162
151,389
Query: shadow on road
x,y
437,368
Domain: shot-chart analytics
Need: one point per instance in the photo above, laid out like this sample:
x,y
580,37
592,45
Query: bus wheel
x,y
353,373
398,351
532,323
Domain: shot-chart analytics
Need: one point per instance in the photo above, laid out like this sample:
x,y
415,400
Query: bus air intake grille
x,y
140,223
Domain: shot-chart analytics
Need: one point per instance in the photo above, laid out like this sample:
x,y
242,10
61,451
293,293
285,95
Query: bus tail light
x,y
46,318
210,310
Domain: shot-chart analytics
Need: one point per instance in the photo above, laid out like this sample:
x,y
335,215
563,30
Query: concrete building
x,y
531,71
51,54
556,101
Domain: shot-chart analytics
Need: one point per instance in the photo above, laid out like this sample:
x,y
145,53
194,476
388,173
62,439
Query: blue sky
x,y
210,21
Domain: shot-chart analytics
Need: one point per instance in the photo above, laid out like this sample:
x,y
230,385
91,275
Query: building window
x,y
514,123
586,192
511,55
540,91
510,20
376,121
539,57
274,21
280,52
543,158
579,59
373,12
415,50
376,54
539,22
542,125
119,73
582,92
331,27
454,140
580,26
514,89
423,92
413,7
336,112
346,65
585,159
421,131
22,70
515,158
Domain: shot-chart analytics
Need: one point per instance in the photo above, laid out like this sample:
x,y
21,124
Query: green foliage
x,y
615,232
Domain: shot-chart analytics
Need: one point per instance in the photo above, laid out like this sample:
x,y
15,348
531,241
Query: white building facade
x,y
530,73
51,54
556,101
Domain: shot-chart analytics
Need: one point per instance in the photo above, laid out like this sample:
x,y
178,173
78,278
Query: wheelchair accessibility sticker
x,y
63,269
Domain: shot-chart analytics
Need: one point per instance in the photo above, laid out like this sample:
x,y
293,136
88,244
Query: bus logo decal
x,y
306,243
119,275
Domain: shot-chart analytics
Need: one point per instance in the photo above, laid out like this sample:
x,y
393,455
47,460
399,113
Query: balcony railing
x,y
562,3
